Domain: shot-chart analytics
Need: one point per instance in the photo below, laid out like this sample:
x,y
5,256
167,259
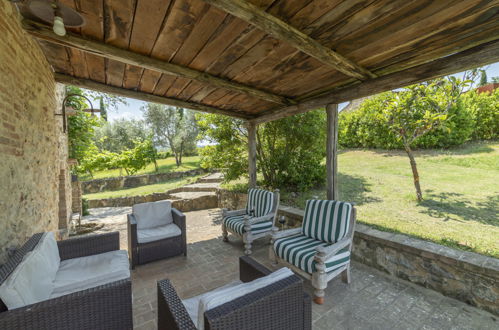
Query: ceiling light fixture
x,y
55,13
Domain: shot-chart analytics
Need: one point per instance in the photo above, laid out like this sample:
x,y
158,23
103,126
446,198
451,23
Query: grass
x,y
144,190
164,165
460,190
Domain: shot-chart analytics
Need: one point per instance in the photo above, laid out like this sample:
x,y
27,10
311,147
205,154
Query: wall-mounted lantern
x,y
70,111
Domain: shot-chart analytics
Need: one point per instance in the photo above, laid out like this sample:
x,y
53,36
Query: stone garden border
x,y
123,182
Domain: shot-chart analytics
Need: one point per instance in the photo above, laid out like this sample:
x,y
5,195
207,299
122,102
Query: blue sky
x,y
132,110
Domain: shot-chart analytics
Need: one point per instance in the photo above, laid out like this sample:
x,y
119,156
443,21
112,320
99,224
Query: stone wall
x,y
201,202
110,184
31,146
466,276
76,203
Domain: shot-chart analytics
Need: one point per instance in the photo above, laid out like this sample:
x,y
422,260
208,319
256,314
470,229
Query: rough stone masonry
x,y
33,148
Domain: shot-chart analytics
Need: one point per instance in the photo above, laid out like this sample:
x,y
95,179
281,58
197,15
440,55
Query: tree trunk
x,y
155,166
415,173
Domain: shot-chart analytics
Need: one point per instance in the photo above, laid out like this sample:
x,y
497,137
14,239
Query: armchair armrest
x,y
178,218
132,239
250,270
227,213
107,306
286,233
325,252
88,245
171,312
252,221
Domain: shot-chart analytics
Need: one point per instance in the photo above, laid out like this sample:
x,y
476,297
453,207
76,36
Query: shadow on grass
x,y
352,188
449,206
467,149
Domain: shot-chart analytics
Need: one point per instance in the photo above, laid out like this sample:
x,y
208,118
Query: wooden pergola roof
x,y
265,59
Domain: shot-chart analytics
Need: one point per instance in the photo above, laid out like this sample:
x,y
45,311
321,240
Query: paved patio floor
x,y
372,301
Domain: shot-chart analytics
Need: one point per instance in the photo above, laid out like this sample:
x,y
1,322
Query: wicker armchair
x,y
281,305
141,253
253,222
107,306
320,249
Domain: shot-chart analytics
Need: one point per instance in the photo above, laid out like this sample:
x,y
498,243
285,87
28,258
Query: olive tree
x,y
174,128
419,109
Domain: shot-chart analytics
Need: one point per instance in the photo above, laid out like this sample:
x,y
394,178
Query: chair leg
x,y
319,281
272,254
225,234
247,239
345,275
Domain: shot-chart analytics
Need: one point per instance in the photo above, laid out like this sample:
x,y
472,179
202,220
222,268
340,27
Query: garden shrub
x,y
475,117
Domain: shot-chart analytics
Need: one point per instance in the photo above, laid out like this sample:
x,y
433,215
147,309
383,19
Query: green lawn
x,y
460,190
144,190
164,165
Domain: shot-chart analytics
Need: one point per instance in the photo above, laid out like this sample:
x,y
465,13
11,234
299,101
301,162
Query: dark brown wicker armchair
x,y
107,306
281,305
141,253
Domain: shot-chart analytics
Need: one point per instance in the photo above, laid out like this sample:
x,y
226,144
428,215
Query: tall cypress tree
x,y
103,111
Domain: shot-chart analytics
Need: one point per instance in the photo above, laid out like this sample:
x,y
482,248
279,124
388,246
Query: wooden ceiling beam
x,y
285,32
100,87
474,57
102,49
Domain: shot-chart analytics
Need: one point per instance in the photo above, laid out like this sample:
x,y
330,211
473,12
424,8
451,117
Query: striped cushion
x,y
236,224
261,201
326,220
299,251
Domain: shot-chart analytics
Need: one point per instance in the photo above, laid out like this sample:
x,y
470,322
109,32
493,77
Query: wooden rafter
x,y
128,57
96,86
478,56
283,31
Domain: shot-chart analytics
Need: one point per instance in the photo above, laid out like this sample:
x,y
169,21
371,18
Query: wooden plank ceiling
x,y
381,36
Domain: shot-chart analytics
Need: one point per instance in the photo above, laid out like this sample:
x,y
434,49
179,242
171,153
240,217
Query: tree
x,y
103,110
120,134
495,80
174,128
81,126
419,109
483,78
290,151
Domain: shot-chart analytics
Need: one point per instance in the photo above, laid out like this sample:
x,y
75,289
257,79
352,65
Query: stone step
x,y
197,187
193,201
212,178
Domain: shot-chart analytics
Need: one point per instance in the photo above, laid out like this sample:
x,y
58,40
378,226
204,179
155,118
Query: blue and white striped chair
x,y
320,249
255,221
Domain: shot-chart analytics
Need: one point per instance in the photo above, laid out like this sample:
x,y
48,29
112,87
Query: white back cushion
x,y
220,297
33,279
49,251
153,214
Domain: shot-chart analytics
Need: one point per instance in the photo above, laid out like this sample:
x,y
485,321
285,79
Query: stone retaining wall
x,y
203,202
110,184
466,276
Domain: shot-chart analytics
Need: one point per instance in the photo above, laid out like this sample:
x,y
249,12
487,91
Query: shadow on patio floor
x,y
372,301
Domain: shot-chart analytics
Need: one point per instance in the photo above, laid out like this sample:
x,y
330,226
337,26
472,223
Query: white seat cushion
x,y
87,272
192,304
32,280
155,234
153,214
223,295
